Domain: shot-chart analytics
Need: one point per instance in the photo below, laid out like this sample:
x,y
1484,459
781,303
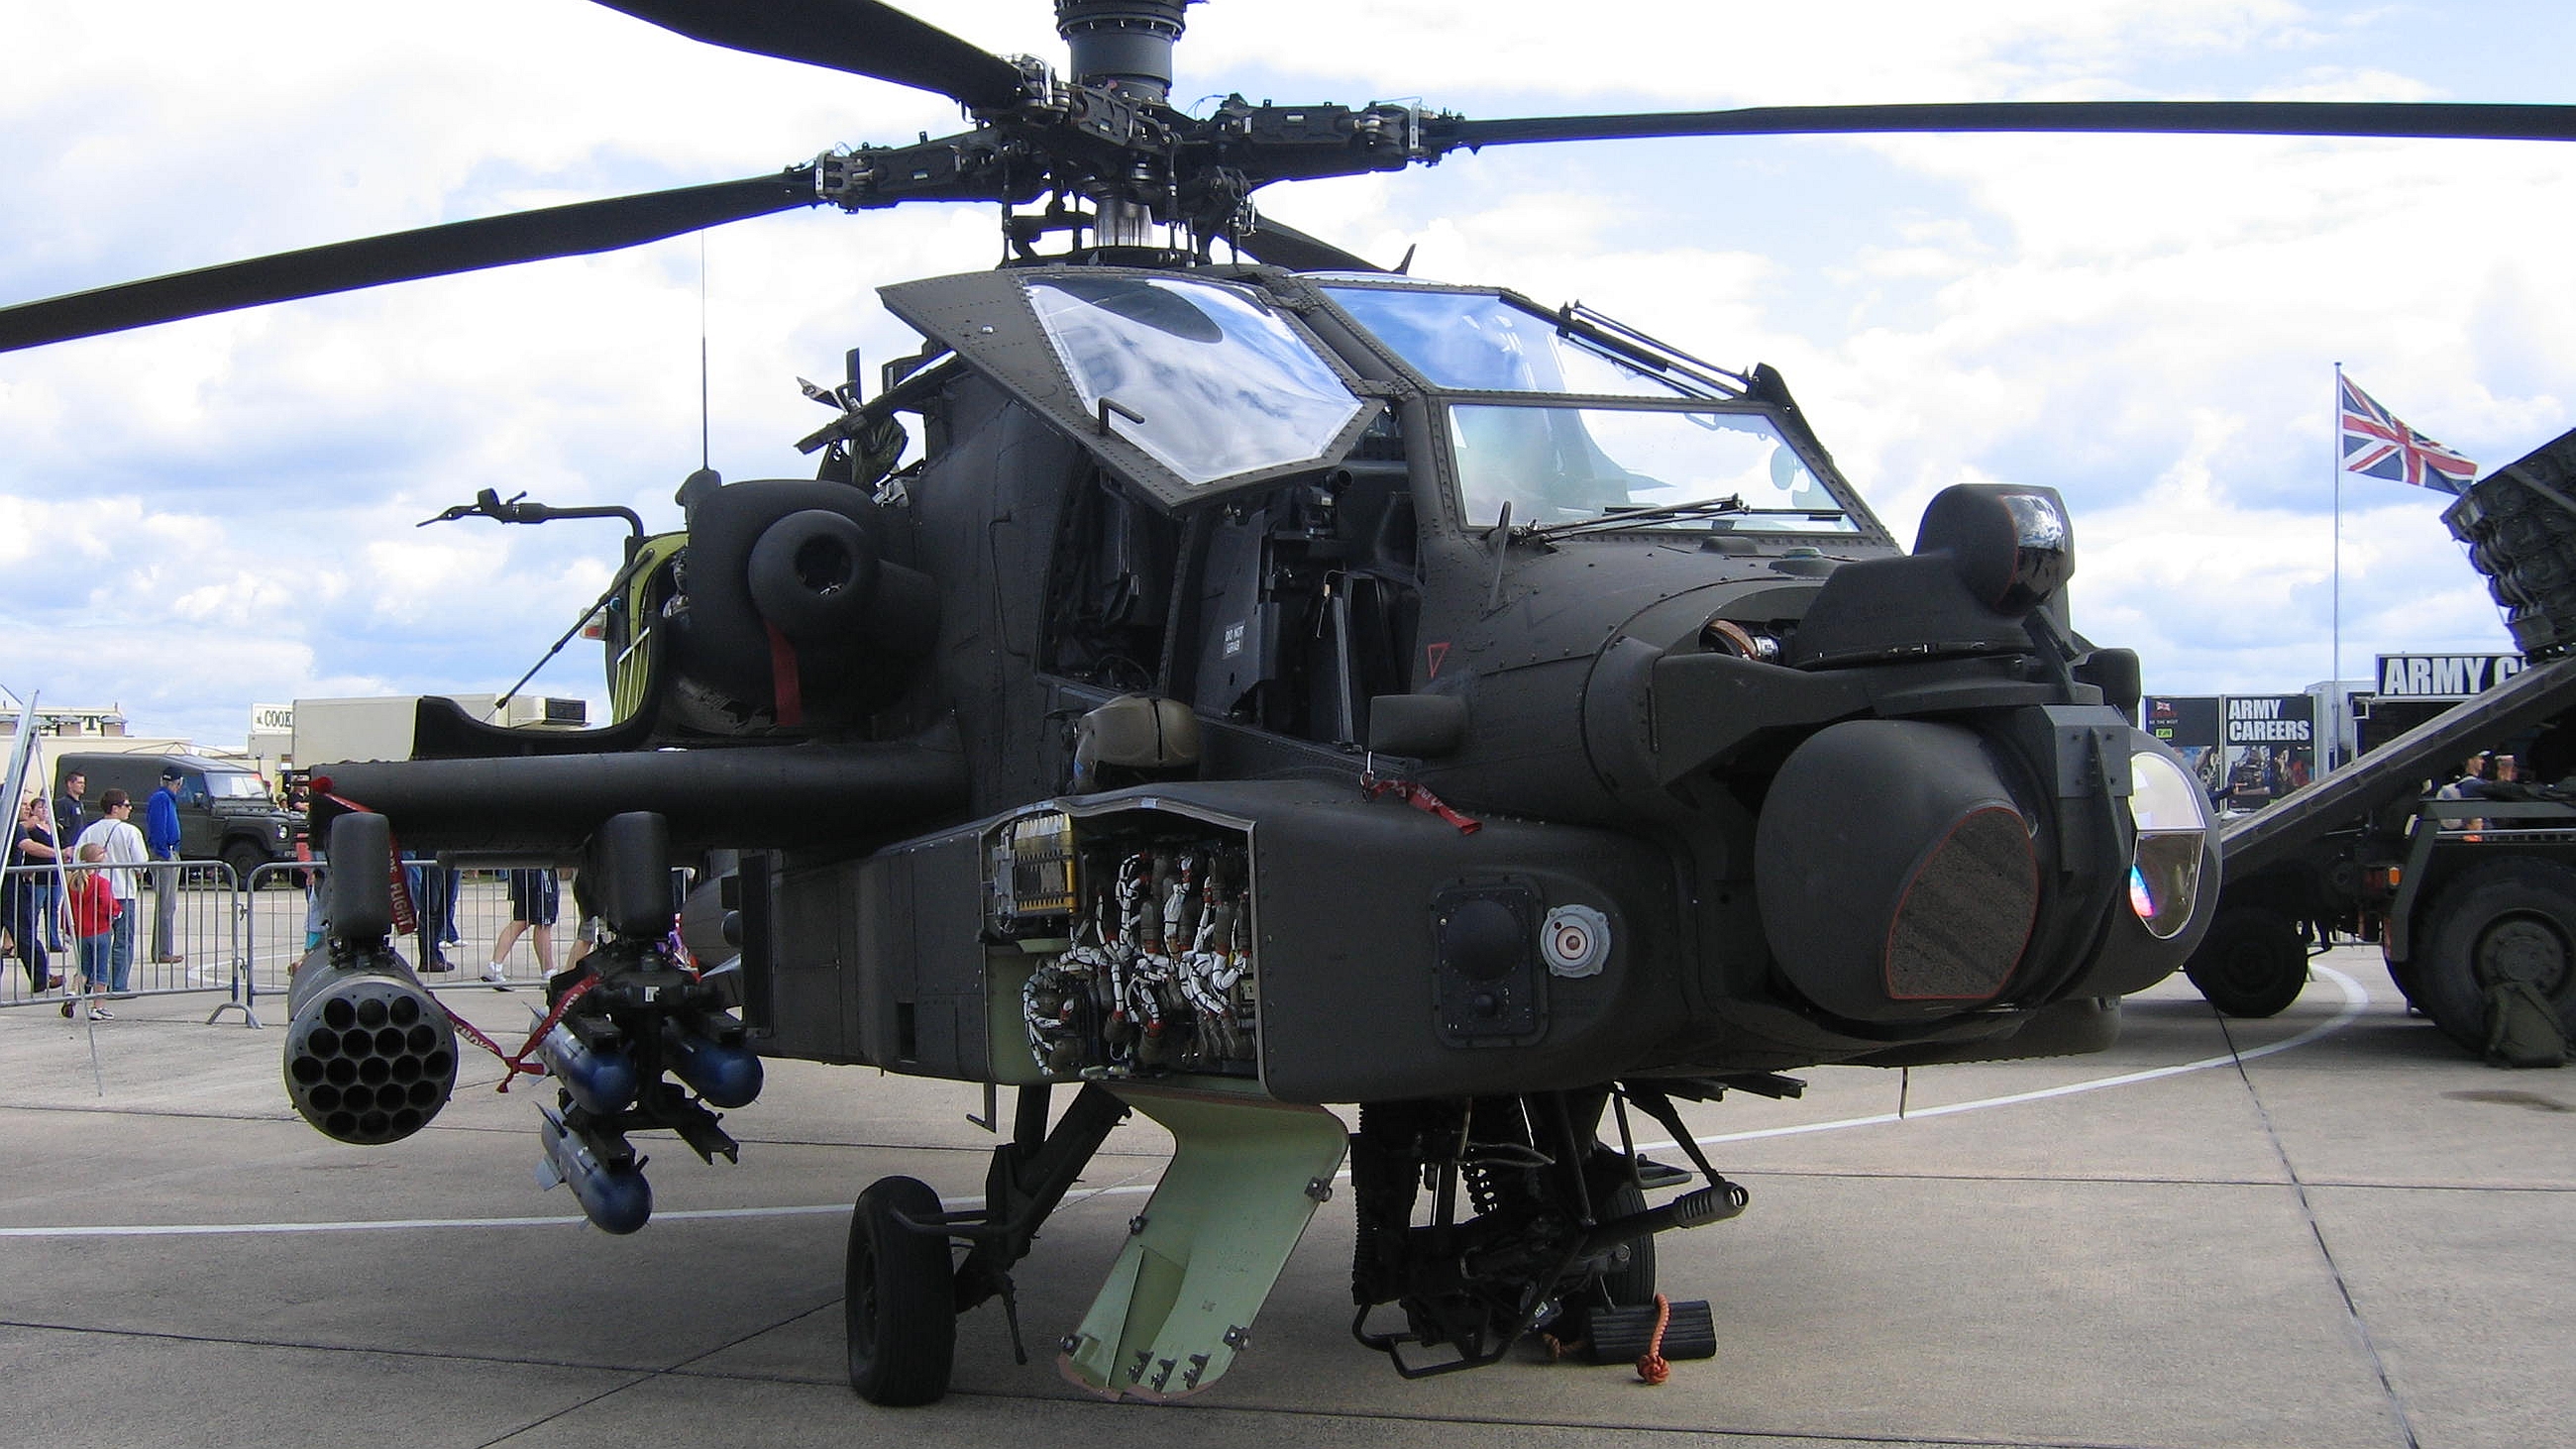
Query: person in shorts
x,y
534,901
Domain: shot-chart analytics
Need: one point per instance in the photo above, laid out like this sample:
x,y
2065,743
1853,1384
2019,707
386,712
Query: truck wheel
x,y
2252,963
2407,979
244,858
901,1307
2511,920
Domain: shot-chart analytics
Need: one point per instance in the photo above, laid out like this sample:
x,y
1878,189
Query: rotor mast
x,y
1122,43
1126,46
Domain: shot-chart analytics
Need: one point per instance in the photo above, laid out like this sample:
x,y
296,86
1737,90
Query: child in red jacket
x,y
93,914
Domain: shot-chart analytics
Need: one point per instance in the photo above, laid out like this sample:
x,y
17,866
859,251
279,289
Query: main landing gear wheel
x,y
1631,1279
2512,920
2252,963
901,1306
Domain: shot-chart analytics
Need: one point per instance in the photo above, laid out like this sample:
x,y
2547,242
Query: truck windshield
x,y
231,785
1558,465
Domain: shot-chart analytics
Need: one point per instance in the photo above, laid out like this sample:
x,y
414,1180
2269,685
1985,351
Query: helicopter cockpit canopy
x,y
1200,388
1480,340
1194,387
1574,422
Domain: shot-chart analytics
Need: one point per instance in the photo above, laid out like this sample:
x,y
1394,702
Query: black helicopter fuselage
x,y
1731,783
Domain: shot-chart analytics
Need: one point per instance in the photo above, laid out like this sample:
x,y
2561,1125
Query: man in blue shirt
x,y
161,837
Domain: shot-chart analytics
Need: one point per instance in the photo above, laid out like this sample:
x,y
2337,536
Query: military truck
x,y
2459,894
225,810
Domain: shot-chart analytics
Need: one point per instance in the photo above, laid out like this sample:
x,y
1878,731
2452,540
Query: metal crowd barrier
x,y
188,926
244,937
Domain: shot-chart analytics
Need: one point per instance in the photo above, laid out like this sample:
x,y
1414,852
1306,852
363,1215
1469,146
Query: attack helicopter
x,y
1274,684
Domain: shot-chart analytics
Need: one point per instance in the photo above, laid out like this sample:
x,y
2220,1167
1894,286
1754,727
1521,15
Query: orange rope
x,y
1651,1368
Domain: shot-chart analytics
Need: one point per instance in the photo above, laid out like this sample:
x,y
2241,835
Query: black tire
x,y
244,857
2253,962
2405,978
901,1303
2509,918
1631,1281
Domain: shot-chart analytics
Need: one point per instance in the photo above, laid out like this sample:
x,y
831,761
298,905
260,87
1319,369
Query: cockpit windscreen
x,y
1478,342
1558,465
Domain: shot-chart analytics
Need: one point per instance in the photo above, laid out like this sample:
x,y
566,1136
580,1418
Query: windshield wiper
x,y
1629,516
1633,517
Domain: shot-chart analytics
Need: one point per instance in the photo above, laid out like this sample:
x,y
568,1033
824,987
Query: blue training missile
x,y
601,1078
615,1199
727,1074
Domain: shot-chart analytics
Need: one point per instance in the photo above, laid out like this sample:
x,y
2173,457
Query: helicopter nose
x,y
1896,871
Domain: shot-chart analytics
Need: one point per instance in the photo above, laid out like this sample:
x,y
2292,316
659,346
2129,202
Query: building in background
x,y
84,729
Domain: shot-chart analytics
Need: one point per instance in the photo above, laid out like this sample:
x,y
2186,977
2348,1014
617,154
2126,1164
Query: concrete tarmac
x,y
2329,1229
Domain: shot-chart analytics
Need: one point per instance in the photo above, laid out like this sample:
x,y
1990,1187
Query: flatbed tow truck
x,y
2458,894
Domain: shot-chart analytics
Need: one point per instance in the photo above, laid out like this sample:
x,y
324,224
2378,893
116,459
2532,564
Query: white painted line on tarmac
x,y
2355,998
390,1225
384,1225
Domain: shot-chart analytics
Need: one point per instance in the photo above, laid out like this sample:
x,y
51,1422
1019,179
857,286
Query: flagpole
x,y
2334,681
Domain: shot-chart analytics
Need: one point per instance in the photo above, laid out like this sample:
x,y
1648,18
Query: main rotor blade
x,y
2233,118
860,37
404,256
1275,245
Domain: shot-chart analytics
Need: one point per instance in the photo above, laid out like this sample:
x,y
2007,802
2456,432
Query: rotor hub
x,y
1126,43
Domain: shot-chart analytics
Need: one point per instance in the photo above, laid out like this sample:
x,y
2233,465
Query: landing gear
x,y
1532,1225
905,1291
902,1303
1628,1276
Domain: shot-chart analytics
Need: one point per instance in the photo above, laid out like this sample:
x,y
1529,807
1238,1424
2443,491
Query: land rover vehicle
x,y
225,810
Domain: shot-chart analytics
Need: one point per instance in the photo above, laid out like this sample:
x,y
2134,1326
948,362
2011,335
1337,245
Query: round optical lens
x,y
2172,824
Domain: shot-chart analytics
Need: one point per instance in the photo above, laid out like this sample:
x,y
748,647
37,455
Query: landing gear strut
x,y
905,1294
1533,1224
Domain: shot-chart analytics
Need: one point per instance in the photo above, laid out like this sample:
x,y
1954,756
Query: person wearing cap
x,y
161,837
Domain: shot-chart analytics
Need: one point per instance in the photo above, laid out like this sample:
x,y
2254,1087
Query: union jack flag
x,y
2377,445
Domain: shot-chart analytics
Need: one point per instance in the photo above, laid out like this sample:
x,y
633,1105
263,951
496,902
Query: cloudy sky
x,y
213,513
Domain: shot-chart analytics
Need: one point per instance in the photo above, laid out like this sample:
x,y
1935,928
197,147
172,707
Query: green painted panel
x,y
1179,1303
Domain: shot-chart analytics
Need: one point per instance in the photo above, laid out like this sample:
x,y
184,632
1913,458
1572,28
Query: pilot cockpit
x,y
1575,423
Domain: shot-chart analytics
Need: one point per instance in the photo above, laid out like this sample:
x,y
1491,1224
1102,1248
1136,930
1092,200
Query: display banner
x,y
2271,747
2183,720
2444,676
2189,724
